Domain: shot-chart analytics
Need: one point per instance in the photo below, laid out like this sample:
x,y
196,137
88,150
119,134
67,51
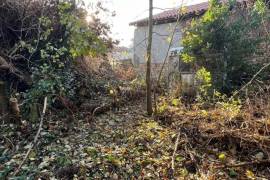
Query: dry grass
x,y
125,72
242,136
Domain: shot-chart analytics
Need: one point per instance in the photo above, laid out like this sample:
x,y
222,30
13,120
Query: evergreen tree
x,y
224,41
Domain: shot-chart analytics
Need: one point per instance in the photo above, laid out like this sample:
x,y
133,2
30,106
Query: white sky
x,y
130,10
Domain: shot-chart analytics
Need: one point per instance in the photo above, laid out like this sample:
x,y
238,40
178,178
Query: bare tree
x,y
149,57
178,21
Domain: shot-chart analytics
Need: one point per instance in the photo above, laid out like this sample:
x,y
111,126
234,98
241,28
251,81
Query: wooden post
x,y
3,98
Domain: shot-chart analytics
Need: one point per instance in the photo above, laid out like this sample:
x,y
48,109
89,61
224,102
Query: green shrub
x,y
223,42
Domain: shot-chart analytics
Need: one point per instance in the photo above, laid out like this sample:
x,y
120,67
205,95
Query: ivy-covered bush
x,y
41,40
226,41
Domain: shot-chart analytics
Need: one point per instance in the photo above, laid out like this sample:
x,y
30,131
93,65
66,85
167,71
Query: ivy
x,y
53,52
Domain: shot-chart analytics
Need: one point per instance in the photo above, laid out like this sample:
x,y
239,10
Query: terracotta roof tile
x,y
171,15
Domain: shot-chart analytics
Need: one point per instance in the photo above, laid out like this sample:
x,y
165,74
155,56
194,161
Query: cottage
x,y
164,23
163,26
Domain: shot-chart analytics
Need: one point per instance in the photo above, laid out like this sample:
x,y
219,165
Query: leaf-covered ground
x,y
128,145
117,145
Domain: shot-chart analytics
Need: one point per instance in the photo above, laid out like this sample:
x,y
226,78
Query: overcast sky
x,y
130,10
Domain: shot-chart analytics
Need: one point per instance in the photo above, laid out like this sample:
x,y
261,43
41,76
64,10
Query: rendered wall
x,y
161,34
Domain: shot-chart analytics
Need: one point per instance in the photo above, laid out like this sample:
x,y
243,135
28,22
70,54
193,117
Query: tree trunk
x,y
149,56
3,98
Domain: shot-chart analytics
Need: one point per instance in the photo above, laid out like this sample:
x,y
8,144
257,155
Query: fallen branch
x,y
174,153
9,141
35,139
101,109
98,110
244,164
252,79
5,66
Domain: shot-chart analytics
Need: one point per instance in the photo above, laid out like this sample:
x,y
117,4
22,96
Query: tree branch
x,y
35,139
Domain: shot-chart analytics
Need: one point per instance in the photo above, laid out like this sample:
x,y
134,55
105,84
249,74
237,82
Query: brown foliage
x,y
125,72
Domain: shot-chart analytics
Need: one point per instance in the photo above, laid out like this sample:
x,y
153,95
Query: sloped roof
x,y
172,15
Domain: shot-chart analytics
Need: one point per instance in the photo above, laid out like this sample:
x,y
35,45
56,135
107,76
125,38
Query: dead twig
x,y
9,141
244,164
252,79
191,165
96,109
174,153
36,137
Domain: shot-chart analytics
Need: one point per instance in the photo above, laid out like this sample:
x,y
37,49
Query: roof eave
x,y
144,22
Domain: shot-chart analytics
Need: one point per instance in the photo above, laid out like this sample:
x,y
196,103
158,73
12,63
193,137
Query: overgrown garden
x,y
66,114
